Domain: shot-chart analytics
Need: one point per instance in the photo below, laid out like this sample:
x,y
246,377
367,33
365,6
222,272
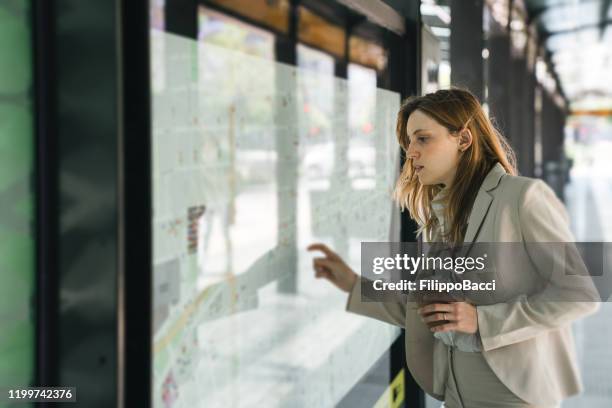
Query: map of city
x,y
252,161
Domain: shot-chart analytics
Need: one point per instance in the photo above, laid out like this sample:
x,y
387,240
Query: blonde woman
x,y
459,184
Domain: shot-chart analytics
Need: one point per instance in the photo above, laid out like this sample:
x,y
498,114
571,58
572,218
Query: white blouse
x,y
462,341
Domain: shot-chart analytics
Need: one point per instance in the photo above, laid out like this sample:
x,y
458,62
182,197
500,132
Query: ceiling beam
x,y
592,112
378,12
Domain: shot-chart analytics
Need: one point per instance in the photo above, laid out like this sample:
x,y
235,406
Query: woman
x,y
459,184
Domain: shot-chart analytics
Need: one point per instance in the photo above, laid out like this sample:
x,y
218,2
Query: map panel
x,y
252,161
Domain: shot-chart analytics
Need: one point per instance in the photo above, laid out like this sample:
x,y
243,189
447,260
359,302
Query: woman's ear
x,y
465,139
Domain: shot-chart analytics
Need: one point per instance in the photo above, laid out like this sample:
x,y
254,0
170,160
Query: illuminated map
x,y
252,161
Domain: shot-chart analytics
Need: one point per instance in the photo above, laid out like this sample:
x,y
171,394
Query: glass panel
x,y
157,14
252,161
435,46
219,29
362,90
17,251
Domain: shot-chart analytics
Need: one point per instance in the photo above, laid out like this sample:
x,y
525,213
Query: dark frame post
x,y
93,232
86,63
43,24
135,273
404,66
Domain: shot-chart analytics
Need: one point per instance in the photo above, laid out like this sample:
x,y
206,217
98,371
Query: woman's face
x,y
433,149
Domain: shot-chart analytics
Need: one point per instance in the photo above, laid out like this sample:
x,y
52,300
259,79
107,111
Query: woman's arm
x,y
568,295
333,268
393,312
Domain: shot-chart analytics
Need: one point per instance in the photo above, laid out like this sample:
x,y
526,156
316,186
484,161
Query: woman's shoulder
x,y
500,183
530,206
526,192
521,186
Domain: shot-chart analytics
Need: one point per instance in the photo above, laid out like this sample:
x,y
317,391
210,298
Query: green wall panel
x,y
17,246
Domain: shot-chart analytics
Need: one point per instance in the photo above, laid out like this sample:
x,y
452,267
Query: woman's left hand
x,y
460,316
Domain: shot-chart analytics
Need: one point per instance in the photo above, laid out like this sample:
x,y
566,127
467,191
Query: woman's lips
x,y
417,169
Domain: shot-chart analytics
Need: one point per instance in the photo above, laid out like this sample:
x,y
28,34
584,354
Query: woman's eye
x,y
421,139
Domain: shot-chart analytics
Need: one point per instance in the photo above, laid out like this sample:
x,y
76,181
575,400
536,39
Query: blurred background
x,y
164,164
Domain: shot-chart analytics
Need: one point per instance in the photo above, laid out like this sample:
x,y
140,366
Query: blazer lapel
x,y
477,216
483,202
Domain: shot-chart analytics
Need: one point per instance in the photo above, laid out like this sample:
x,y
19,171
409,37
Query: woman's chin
x,y
424,181
427,181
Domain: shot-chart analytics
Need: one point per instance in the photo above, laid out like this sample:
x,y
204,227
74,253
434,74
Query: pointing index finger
x,y
323,248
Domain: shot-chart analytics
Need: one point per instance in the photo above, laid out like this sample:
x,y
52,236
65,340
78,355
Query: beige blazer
x,y
529,343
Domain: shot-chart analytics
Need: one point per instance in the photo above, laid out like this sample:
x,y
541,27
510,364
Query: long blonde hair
x,y
457,110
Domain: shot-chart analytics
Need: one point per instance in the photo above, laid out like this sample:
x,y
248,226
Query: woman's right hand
x,y
332,268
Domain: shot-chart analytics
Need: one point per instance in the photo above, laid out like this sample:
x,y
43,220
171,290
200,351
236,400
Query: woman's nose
x,y
412,153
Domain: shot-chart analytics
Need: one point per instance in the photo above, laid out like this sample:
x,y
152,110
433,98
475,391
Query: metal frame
x,y
405,70
93,205
134,282
45,175
93,103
